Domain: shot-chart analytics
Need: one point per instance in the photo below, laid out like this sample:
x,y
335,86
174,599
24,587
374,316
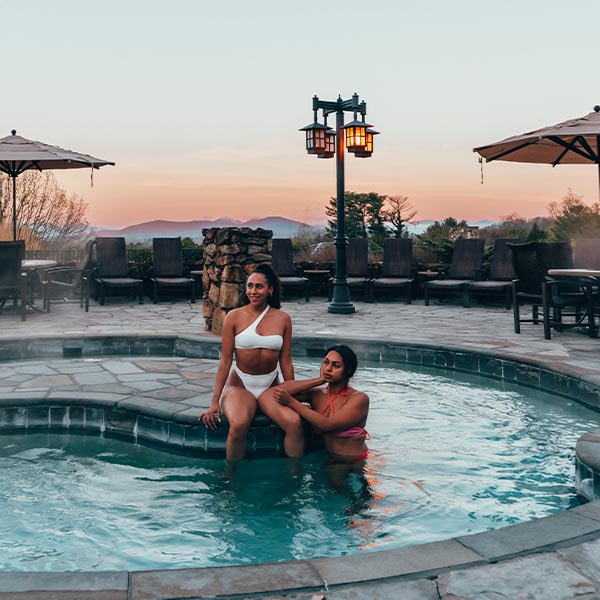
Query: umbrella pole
x,y
599,181
14,208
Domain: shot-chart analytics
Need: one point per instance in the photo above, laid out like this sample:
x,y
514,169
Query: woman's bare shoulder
x,y
233,315
280,314
358,396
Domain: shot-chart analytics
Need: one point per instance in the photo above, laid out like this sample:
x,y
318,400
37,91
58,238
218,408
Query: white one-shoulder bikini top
x,y
248,338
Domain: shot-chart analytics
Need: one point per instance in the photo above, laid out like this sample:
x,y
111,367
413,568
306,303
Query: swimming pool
x,y
454,454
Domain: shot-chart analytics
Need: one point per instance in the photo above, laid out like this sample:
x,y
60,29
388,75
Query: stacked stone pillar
x,y
230,255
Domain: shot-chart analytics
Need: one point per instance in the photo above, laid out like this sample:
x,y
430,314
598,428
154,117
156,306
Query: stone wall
x,y
230,255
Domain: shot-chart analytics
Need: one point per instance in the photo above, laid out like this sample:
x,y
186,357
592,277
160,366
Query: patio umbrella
x,y
574,142
18,154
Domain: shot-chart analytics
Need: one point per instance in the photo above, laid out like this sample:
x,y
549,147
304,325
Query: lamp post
x,y
358,139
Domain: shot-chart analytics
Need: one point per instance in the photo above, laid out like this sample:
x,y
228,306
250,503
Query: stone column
x,y
230,255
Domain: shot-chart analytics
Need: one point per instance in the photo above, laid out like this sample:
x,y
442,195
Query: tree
x,y
511,226
44,210
537,234
436,241
574,218
364,217
398,212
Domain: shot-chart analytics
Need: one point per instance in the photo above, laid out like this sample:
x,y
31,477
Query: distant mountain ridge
x,y
280,226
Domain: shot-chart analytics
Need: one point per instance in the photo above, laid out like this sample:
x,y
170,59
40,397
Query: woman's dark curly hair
x,y
348,356
272,278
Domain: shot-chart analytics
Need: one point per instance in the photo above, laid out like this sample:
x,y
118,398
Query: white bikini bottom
x,y
256,384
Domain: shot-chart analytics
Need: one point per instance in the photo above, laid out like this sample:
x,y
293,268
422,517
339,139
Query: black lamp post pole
x,y
341,293
318,142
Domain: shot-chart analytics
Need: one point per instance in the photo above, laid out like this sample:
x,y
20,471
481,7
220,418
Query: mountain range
x,y
280,226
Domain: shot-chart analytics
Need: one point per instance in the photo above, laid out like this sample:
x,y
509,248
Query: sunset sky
x,y
199,102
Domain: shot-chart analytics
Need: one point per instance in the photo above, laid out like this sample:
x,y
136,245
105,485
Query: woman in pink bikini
x,y
337,411
259,335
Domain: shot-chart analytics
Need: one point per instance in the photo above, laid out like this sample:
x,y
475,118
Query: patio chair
x,y
501,275
531,262
64,283
168,273
357,268
110,271
587,253
397,269
282,261
13,282
466,266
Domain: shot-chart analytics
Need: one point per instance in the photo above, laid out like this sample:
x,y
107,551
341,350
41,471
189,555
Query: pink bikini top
x,y
352,432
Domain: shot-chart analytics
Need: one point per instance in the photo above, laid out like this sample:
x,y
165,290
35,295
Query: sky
x,y
199,102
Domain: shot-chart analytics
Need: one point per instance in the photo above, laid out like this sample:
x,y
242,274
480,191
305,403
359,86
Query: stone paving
x,y
565,563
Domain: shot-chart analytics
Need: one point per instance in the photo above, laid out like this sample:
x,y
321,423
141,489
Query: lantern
x,y
368,151
356,135
315,137
329,145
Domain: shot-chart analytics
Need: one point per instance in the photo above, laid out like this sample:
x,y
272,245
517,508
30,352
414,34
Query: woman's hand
x,y
211,416
282,397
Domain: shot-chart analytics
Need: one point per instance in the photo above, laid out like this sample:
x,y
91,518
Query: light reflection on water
x,y
451,456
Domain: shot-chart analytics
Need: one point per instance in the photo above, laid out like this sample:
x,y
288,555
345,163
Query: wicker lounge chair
x,y
357,269
587,253
13,282
282,260
501,275
466,266
168,273
111,272
397,270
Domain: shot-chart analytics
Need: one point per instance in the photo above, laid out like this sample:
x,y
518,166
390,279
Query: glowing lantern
x,y
368,151
356,135
315,137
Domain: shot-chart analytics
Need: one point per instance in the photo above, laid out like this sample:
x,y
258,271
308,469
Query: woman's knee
x,y
239,427
291,422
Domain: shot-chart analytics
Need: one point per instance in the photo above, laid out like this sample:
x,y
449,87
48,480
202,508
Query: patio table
x,y
586,274
34,269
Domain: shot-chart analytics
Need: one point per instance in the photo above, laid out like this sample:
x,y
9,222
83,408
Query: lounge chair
x,y
357,268
466,266
587,253
13,282
282,261
501,275
111,272
168,272
397,270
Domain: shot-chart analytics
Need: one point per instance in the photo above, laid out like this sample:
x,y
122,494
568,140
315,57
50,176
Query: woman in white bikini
x,y
259,335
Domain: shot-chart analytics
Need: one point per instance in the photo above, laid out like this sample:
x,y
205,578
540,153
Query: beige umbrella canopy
x,y
18,154
574,142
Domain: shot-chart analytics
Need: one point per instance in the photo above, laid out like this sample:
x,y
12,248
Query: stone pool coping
x,y
548,534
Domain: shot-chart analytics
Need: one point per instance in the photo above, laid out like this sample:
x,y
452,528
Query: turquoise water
x,y
452,455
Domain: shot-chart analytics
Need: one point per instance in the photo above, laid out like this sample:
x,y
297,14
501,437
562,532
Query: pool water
x,y
453,454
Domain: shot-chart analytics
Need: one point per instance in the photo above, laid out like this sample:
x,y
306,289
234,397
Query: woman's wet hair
x,y
266,270
348,357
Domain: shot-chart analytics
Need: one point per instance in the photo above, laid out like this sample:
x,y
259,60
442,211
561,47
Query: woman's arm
x,y
285,356
227,345
298,387
354,411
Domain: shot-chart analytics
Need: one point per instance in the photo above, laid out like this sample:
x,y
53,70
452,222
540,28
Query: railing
x,y
191,256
